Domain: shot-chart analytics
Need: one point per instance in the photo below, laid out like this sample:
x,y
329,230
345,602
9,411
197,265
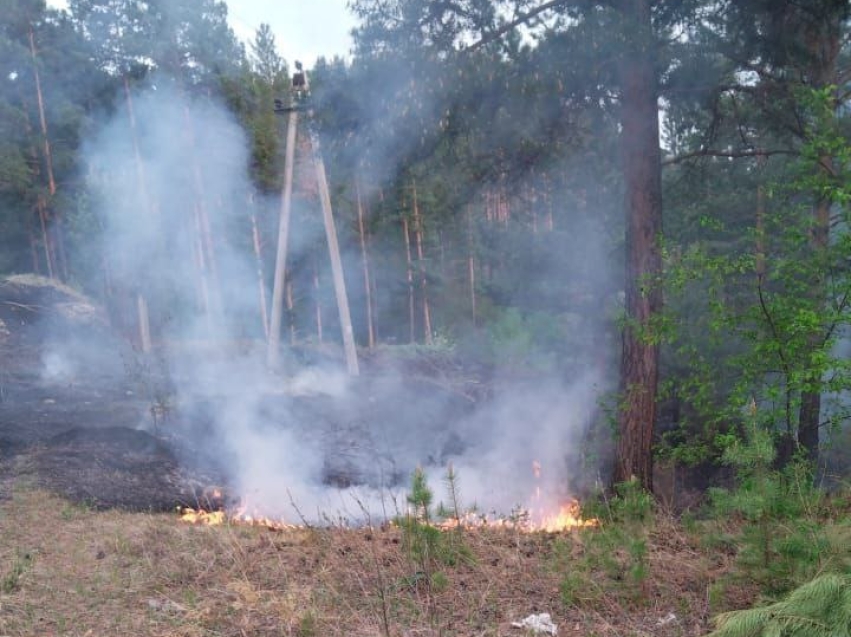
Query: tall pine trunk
x,y
52,231
418,235
410,277
143,320
365,264
643,183
823,41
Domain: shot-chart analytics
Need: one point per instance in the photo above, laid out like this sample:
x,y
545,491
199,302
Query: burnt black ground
x,y
76,413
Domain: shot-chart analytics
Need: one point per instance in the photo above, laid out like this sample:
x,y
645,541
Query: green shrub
x,y
819,608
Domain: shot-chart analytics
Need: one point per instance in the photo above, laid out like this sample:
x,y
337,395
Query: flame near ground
x,y
535,518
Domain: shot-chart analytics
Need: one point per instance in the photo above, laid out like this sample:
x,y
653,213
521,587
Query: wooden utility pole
x,y
336,261
261,279
300,86
274,343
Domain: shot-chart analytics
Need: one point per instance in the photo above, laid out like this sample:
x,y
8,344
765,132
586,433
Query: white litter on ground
x,y
541,623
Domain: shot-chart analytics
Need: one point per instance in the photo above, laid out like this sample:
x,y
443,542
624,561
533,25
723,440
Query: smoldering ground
x,y
309,440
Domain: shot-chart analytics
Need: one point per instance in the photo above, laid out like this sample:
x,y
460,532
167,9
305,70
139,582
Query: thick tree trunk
x,y
823,41
642,176
809,414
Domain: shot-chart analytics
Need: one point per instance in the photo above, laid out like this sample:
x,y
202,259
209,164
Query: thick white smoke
x,y
280,437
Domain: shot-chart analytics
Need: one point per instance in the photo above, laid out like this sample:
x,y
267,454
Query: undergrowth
x,y
781,526
617,548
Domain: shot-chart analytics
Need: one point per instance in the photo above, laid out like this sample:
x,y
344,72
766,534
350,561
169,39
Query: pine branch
x,y
731,154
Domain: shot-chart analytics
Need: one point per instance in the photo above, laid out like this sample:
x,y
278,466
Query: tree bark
x,y
642,176
823,41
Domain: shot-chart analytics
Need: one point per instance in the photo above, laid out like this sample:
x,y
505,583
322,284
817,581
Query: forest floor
x,y
91,542
69,570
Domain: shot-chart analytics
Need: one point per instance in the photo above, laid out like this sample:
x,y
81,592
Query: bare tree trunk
x,y
642,176
261,279
418,234
215,306
365,264
33,250
471,264
41,207
317,301
55,235
760,235
336,261
410,275
201,265
41,204
291,310
144,323
274,343
143,320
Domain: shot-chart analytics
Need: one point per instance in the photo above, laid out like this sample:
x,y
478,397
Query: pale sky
x,y
304,29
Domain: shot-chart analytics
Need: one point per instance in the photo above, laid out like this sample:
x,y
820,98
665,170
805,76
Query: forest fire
x,y
567,518
221,517
537,518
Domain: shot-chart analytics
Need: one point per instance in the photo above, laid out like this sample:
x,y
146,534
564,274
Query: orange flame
x,y
568,517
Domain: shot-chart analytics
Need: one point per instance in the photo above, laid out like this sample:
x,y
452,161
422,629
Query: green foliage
x,y
618,548
428,546
819,608
11,581
761,304
784,538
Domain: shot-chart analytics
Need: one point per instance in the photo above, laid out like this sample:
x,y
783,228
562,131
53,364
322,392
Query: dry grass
x,y
65,570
